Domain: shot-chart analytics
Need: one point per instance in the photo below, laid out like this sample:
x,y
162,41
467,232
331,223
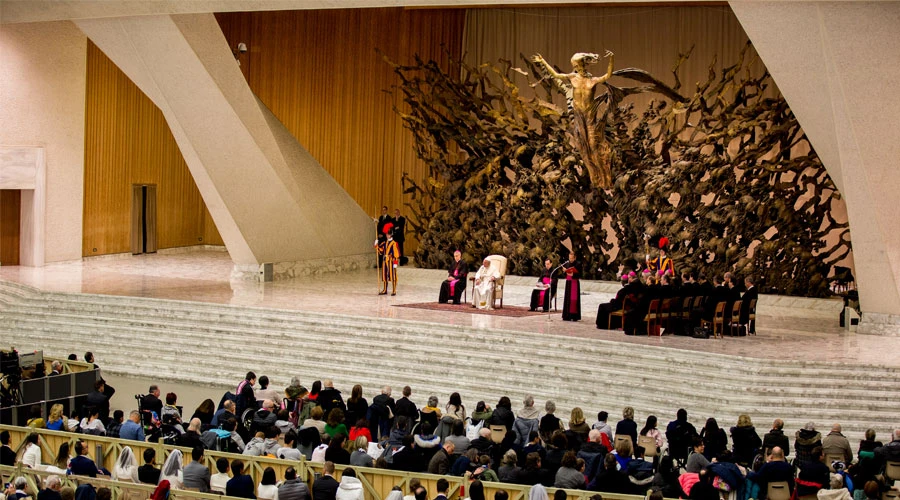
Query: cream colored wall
x,y
840,78
42,89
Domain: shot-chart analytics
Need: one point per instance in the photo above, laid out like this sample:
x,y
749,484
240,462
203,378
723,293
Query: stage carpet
x,y
507,311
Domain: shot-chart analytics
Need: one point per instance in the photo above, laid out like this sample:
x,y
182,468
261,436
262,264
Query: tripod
x,y
9,391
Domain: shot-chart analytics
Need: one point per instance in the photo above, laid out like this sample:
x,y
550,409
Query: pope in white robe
x,y
483,294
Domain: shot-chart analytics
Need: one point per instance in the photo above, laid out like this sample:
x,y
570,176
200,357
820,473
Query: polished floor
x,y
788,329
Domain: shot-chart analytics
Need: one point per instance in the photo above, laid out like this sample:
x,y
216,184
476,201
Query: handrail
x,y
377,483
121,490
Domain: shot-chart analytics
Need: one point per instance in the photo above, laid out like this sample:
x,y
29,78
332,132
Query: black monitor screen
x,y
84,382
33,391
60,386
6,416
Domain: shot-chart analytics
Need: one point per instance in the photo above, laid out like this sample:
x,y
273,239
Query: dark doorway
x,y
143,219
10,223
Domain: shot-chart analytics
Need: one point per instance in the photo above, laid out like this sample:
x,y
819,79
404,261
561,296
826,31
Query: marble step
x,y
878,390
419,336
220,313
850,408
723,368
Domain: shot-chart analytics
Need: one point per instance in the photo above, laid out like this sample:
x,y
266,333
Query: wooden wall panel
x,y
319,72
127,141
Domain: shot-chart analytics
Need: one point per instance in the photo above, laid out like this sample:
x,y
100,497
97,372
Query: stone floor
x,y
788,328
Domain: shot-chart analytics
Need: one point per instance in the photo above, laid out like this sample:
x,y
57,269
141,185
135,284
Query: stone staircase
x,y
214,345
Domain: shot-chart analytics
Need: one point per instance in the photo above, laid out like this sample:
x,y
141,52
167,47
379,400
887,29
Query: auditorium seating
x,y
407,354
377,482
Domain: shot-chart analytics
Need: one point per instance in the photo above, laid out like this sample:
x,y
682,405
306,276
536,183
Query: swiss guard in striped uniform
x,y
661,263
390,259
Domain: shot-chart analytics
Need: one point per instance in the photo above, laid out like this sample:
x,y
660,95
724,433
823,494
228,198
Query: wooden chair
x,y
498,432
890,495
665,314
892,470
622,438
652,318
780,490
649,446
617,314
718,321
697,310
751,318
735,322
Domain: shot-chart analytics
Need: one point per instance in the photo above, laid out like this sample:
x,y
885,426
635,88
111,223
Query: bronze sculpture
x,y
588,124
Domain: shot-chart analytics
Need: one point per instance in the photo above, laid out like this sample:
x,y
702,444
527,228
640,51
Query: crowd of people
x,y
492,443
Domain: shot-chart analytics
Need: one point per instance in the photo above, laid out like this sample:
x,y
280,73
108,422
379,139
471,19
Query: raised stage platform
x,y
199,326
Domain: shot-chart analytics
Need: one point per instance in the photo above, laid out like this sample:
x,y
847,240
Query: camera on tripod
x,y
9,366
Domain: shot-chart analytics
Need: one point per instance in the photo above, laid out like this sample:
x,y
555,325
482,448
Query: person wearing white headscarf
x,y
126,468
394,495
538,492
172,470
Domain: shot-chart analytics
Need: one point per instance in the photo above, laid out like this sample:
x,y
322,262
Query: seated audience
x,y
151,401
336,452
440,461
593,453
776,469
61,464
264,418
31,458
172,471
325,486
602,426
868,445
171,415
264,392
126,468
715,440
219,482
350,488
56,420
814,474
7,454
205,412
92,424
526,421
224,413
836,444
568,476
195,474
81,464
52,487
315,420
680,433
890,451
577,424
132,428
651,431
293,488
627,426
745,441
240,485
549,423
334,424
776,437
805,441
509,470
148,473
267,488
191,437
696,462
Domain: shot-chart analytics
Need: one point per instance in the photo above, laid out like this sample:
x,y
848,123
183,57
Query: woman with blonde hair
x,y
745,441
360,456
578,425
56,419
627,426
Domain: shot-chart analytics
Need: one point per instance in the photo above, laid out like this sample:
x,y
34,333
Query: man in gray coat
x,y
196,475
292,488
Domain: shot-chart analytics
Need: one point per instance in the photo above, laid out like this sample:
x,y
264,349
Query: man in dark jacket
x,y
440,462
680,433
407,408
381,404
750,294
408,457
151,401
330,398
776,437
245,397
593,453
775,470
240,485
147,473
264,418
97,399
326,486
292,488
